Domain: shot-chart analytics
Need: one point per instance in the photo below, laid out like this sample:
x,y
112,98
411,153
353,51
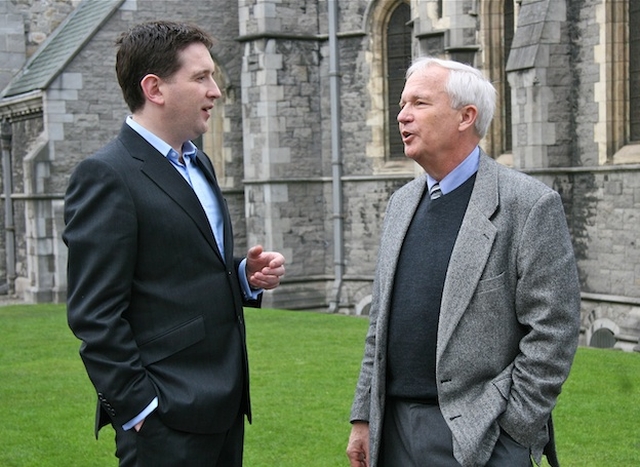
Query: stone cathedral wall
x,y
272,143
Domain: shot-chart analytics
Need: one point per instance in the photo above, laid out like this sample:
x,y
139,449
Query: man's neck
x,y
152,124
441,166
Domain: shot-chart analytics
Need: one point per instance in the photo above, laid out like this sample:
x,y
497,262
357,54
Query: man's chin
x,y
409,154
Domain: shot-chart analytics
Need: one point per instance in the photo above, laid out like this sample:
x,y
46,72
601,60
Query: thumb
x,y
254,252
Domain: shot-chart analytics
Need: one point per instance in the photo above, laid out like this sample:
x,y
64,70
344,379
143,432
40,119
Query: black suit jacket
x,y
158,311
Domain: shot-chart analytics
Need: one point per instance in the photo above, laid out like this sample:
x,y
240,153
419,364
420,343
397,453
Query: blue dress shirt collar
x,y
459,175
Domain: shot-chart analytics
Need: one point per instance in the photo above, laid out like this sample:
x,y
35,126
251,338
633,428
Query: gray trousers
x,y
416,435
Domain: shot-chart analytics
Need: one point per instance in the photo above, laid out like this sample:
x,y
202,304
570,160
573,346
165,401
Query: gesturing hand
x,y
264,268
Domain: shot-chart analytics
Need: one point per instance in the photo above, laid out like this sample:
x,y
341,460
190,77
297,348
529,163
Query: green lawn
x,y
303,371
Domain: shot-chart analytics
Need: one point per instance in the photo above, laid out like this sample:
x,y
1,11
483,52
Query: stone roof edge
x,y
71,56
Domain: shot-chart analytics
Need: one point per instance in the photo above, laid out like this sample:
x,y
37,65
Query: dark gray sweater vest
x,y
417,294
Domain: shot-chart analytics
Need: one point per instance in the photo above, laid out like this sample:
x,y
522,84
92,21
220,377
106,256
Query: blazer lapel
x,y
470,252
159,170
396,224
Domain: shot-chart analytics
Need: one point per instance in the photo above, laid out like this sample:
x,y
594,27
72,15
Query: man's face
x,y
189,94
428,125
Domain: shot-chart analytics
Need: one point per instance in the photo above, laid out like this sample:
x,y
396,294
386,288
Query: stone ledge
x,y
629,154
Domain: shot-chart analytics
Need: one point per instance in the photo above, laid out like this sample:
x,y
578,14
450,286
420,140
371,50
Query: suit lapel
x,y
157,168
470,252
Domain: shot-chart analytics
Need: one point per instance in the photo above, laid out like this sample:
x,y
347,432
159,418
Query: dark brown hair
x,y
152,48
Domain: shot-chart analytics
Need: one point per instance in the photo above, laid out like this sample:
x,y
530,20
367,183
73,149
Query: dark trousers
x,y
416,435
157,445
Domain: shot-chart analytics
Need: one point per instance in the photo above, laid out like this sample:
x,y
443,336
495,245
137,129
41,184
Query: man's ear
x,y
150,85
468,115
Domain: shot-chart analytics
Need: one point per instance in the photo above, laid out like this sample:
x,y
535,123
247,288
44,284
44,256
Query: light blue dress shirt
x,y
194,177
197,180
459,175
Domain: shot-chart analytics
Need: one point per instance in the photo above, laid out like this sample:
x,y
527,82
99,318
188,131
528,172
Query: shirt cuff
x,y
249,292
142,415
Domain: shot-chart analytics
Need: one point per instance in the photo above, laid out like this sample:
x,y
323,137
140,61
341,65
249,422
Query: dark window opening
x,y
603,338
634,71
509,31
398,60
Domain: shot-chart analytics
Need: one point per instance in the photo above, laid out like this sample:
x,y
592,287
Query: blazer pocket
x,y
491,284
172,341
504,381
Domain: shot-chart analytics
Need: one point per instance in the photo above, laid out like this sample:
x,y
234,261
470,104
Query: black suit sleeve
x,y
101,234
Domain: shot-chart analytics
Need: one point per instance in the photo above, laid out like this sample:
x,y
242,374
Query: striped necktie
x,y
435,191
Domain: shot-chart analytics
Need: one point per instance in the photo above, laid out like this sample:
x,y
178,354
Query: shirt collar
x,y
459,175
188,148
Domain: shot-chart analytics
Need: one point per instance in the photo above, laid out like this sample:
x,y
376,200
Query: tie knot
x,y
435,192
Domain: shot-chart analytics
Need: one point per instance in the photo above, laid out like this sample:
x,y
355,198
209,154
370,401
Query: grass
x,y
46,400
303,372
598,413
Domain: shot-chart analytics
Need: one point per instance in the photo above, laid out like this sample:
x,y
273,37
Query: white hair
x,y
465,85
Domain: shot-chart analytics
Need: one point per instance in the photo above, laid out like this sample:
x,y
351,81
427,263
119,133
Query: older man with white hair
x,y
475,314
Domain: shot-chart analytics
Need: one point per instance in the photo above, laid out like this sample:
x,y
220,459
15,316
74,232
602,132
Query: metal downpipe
x,y
9,228
336,158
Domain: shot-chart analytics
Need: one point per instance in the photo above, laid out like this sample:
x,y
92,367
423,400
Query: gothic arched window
x,y
634,72
212,142
398,60
499,20
621,103
508,23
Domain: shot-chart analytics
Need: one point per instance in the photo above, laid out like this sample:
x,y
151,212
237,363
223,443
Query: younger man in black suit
x,y
154,292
